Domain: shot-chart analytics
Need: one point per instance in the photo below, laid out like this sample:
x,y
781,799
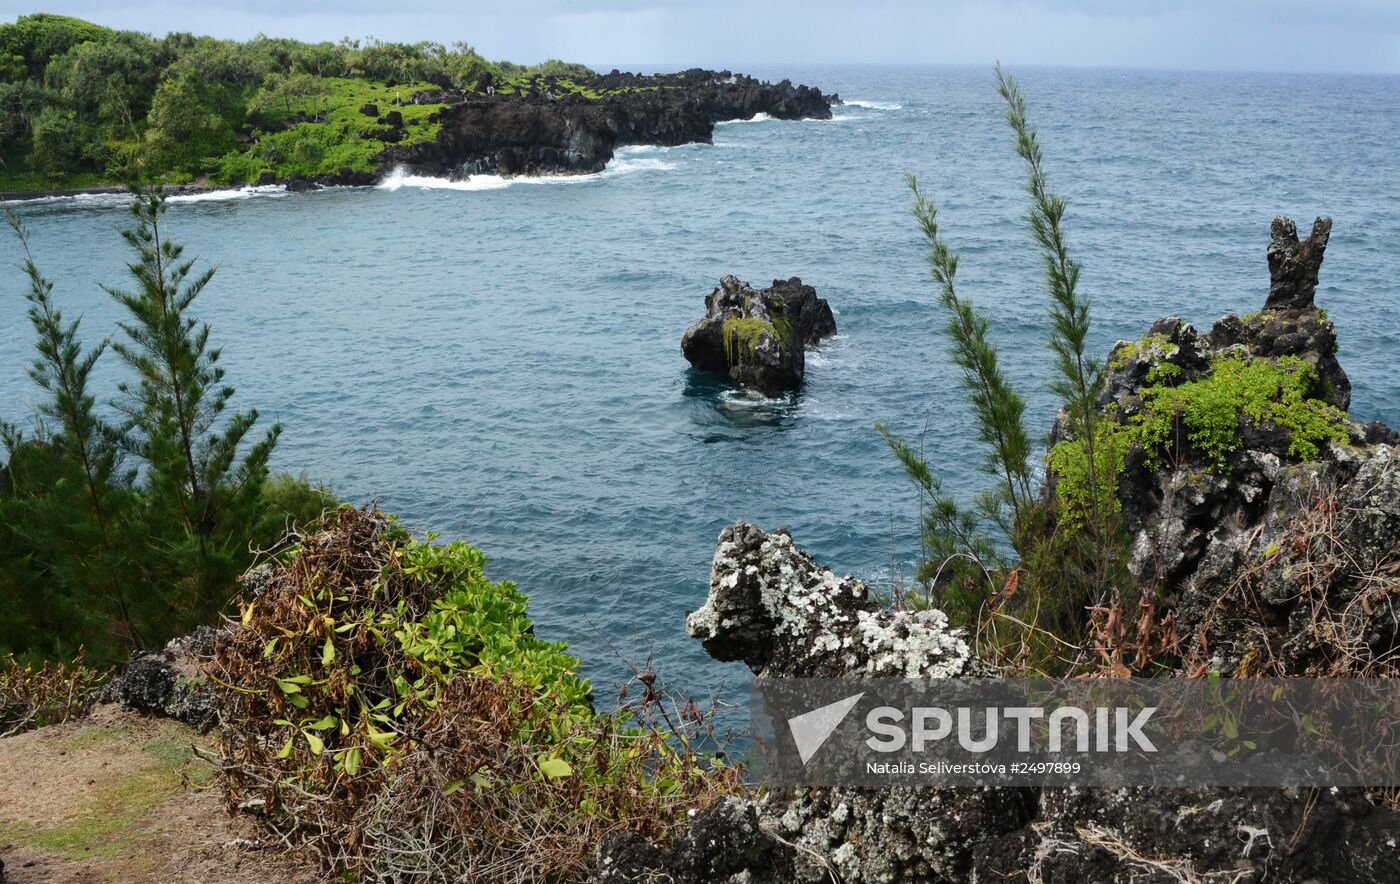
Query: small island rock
x,y
758,337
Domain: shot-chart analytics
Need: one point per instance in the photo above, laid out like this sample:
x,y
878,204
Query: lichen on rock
x,y
773,607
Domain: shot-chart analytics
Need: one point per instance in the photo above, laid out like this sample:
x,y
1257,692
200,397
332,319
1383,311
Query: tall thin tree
x,y
204,487
80,516
1079,380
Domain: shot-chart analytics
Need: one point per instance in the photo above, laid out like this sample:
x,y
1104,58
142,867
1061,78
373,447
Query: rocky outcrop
x,y
1259,555
773,607
168,683
551,130
1294,265
758,337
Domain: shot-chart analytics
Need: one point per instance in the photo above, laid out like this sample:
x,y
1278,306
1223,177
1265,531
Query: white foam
x,y
874,105
400,178
77,198
756,118
122,198
241,193
626,161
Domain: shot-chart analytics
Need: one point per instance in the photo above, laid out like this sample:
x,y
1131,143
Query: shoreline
x,y
16,196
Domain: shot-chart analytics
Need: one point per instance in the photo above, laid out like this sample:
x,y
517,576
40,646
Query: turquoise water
x,y
501,362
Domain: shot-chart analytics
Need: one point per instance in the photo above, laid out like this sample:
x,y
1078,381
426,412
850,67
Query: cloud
x,y
1342,35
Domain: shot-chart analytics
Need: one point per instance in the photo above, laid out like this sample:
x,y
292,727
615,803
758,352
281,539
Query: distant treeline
x,y
84,104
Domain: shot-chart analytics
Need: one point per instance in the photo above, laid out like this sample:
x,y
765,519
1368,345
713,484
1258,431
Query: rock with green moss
x,y
758,337
1218,449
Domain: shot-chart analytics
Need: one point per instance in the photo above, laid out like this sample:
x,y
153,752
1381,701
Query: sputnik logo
x,y
811,729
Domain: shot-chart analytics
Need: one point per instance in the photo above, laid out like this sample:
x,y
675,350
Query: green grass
x,y
111,821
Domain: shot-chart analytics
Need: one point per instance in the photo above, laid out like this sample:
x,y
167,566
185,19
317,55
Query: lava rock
x,y
773,607
370,110
1293,265
168,683
533,135
758,337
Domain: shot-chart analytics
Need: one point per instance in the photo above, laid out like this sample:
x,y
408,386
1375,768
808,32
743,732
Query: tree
x,y
186,125
58,142
68,496
31,41
203,499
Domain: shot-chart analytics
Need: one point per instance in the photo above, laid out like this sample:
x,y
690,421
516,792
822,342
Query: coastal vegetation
x,y
85,105
389,705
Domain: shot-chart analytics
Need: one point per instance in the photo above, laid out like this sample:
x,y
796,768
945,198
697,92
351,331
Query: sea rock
x,y
758,337
168,683
1293,265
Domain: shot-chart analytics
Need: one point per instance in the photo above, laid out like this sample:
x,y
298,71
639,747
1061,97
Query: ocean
x,y
499,360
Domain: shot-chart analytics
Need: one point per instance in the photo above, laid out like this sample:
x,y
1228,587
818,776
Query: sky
x,y
1257,35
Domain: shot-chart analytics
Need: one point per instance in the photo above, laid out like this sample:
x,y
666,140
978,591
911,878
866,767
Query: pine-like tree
x,y
203,502
67,496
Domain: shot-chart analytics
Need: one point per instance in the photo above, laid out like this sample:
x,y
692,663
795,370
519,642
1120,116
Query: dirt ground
x,y
117,797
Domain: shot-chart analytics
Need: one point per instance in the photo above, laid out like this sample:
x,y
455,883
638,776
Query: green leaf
x,y
317,747
287,749
328,652
352,761
324,724
452,787
554,768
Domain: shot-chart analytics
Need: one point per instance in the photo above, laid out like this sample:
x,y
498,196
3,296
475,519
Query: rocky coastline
x,y
549,127
1272,562
1231,547
552,131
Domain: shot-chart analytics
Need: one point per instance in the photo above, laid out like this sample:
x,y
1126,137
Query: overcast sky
x,y
1266,35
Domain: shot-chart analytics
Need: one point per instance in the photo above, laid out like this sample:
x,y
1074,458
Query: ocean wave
x,y
241,193
400,178
76,198
874,105
756,118
626,161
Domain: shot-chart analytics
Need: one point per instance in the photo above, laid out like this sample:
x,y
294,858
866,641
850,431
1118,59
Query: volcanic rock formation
x,y
758,337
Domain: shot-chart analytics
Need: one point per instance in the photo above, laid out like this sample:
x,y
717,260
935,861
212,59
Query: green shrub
x,y
1278,392
388,703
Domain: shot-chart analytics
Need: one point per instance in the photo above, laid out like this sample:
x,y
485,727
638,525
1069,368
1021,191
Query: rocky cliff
x,y
554,128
